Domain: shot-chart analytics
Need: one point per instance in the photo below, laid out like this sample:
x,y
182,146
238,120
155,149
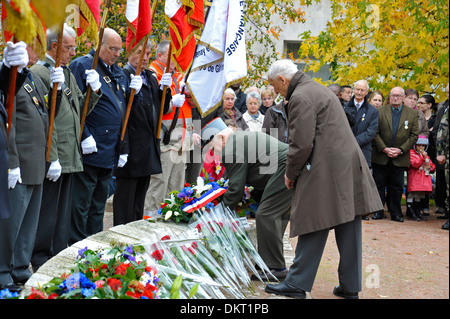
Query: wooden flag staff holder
x,y
54,93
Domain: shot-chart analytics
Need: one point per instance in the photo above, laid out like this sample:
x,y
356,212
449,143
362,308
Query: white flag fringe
x,y
220,59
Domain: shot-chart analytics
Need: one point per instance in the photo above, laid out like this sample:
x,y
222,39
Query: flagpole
x,y
163,99
10,97
138,72
94,65
54,93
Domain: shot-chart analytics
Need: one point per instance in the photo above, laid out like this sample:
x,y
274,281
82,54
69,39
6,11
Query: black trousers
x,y
54,219
441,186
390,178
129,199
90,192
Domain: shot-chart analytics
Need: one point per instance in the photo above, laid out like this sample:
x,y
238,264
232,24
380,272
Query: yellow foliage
x,y
386,42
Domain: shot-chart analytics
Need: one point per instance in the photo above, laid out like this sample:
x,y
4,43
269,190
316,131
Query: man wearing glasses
x,y
100,142
397,132
55,215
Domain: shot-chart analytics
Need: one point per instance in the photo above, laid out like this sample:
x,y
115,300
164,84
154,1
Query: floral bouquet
x,y
111,273
181,204
228,241
190,258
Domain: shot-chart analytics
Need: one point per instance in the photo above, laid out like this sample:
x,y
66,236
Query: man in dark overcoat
x,y
133,179
332,183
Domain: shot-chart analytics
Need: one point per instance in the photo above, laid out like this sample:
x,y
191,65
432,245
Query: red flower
x,y
114,283
158,254
36,294
121,269
167,237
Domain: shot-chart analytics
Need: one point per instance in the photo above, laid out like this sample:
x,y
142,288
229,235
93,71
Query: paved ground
x,y
407,260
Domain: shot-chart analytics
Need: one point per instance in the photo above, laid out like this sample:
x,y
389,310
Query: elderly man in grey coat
x,y
332,183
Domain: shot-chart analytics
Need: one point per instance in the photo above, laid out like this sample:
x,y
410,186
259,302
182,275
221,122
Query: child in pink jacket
x,y
419,179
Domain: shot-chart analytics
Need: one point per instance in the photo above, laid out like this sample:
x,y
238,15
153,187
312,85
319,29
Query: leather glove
x,y
14,177
178,100
54,172
16,54
136,83
166,80
88,145
57,76
123,158
93,80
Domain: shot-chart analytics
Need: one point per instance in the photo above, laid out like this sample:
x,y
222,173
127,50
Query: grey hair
x,y
52,35
397,87
230,91
254,95
286,68
162,47
362,81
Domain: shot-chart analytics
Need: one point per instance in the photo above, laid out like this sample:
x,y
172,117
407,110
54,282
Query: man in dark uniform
x,y
133,178
14,55
27,162
101,145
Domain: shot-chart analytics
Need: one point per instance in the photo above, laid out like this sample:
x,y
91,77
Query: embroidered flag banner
x,y
84,17
184,18
220,59
139,22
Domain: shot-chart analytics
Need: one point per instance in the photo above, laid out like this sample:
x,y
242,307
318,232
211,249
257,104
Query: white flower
x,y
168,215
176,213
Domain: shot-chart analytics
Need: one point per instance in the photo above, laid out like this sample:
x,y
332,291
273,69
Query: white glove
x,y
57,76
178,100
123,158
166,80
54,172
14,177
88,145
136,83
16,54
197,139
93,80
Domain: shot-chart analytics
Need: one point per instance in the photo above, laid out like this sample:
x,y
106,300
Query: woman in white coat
x,y
252,116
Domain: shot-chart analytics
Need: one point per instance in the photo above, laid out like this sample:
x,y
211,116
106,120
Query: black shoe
x,y
445,216
397,219
410,212
440,210
11,287
365,218
284,289
445,226
344,294
379,215
417,213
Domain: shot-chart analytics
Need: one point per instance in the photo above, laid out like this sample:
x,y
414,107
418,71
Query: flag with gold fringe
x,y
84,16
220,58
139,22
184,18
21,23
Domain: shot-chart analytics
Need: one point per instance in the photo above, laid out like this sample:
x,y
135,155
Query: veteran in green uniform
x,y
258,160
55,216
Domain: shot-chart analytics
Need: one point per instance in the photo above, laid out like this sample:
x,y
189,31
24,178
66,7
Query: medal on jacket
x,y
363,117
406,125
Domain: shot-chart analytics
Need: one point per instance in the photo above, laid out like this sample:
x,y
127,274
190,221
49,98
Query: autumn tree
x,y
259,24
387,42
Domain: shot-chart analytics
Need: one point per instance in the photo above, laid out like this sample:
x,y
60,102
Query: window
x,y
293,47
